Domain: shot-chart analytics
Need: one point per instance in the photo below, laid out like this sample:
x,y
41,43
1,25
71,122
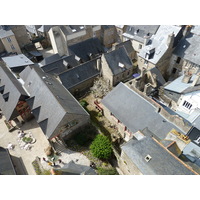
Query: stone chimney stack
x,y
187,77
196,80
187,30
146,39
170,40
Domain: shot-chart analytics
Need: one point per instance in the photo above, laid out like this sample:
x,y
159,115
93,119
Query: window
x,y
8,39
187,104
178,60
174,70
197,140
6,96
140,46
13,48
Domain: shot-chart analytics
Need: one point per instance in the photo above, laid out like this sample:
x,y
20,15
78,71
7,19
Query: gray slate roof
x,y
117,56
60,65
5,33
50,59
179,87
72,168
15,90
6,165
189,49
83,49
17,61
79,74
138,32
52,105
161,163
136,113
128,46
159,42
159,77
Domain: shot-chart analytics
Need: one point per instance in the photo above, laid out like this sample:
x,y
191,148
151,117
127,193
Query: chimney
x,y
146,39
187,76
187,30
170,40
196,80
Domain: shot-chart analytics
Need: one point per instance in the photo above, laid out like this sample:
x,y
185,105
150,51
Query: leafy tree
x,y
101,147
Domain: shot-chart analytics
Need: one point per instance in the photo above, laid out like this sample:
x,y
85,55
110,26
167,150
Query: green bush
x,y
101,147
109,171
84,103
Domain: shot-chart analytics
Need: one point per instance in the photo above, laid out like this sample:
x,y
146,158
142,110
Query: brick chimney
x,y
196,80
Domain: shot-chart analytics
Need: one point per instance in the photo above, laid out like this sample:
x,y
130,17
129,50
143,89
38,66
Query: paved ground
x,y
27,156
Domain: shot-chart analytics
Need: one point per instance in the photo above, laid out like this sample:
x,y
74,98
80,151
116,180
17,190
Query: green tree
x,y
101,147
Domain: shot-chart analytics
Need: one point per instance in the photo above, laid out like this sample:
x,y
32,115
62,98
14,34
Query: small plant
x,y
107,171
84,103
36,167
101,147
27,139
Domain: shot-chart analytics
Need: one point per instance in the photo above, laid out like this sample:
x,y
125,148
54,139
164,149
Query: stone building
x,y
57,112
139,35
185,55
158,51
117,66
146,156
65,35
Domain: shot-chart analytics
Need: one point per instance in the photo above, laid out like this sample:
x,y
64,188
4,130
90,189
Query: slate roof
x,y
79,74
53,105
189,49
71,29
138,32
182,88
12,87
159,42
136,113
60,65
5,33
72,168
117,56
50,59
128,46
17,61
161,162
83,49
159,77
6,165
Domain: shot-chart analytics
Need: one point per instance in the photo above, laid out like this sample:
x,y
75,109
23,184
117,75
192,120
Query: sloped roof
x,y
57,105
179,87
60,65
83,49
117,56
135,112
5,33
50,59
79,74
12,87
128,46
161,162
159,42
72,168
138,32
189,49
159,77
17,61
6,165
